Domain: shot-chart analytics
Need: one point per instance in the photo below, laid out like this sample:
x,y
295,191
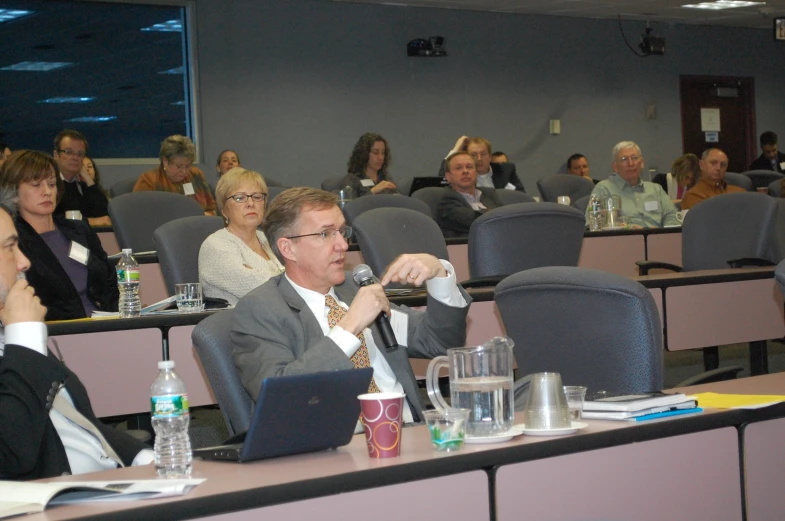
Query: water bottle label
x,y
169,406
127,274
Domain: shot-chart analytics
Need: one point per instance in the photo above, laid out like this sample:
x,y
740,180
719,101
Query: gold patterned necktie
x,y
360,357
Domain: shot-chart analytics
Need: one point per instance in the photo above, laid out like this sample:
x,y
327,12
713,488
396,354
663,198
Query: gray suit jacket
x,y
274,333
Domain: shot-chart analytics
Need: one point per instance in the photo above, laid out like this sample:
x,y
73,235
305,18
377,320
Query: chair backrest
x,y
211,340
333,183
385,233
582,203
728,227
137,215
514,197
126,186
272,182
775,188
596,328
363,204
178,242
740,180
763,178
513,238
274,190
430,196
779,274
552,186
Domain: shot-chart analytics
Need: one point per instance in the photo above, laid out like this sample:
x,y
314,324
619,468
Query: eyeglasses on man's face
x,y
328,234
629,159
257,197
71,153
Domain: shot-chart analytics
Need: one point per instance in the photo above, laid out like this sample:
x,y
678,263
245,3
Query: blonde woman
x,y
238,258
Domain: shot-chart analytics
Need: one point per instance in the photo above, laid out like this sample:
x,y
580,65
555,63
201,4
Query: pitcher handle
x,y
432,382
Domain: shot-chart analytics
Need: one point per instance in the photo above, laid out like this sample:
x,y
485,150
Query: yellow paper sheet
x,y
736,401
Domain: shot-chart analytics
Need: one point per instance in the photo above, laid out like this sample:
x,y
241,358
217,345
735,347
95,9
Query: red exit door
x,y
734,97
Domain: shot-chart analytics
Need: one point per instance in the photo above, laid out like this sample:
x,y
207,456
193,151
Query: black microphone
x,y
363,276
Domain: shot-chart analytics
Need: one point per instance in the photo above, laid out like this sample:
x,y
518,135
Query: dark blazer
x,y
50,279
764,164
454,214
274,333
502,175
91,202
355,182
30,447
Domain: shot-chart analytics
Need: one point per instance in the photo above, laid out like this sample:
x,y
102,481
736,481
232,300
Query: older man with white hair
x,y
643,204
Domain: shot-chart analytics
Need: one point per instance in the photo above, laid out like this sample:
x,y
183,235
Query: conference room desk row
x,y
698,309
613,251
718,465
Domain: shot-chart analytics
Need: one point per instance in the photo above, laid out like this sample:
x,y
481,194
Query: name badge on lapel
x,y
79,253
188,189
651,206
366,182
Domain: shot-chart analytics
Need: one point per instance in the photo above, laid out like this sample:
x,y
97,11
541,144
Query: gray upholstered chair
x,y
779,274
272,182
611,340
137,215
730,230
333,183
775,188
555,185
178,242
211,340
763,178
514,196
518,237
430,196
596,328
740,180
126,186
363,204
385,233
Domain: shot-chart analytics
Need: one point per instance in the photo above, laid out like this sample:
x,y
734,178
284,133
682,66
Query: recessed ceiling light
x,y
91,119
170,26
35,66
176,70
722,4
7,15
66,99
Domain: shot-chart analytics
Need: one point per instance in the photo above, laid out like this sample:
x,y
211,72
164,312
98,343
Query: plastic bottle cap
x,y
166,364
127,250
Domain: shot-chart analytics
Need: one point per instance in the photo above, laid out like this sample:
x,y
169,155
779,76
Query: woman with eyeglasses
x,y
368,167
237,259
68,267
177,174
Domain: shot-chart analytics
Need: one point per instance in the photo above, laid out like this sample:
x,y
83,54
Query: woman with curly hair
x,y
368,167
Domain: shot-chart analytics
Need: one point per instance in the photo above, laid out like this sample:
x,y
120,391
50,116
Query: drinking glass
x,y
189,297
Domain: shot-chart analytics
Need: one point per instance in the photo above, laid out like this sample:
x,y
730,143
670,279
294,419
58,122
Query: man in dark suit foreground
x,y
463,201
771,158
315,318
36,439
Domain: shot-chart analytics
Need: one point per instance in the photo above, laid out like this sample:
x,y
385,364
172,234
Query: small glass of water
x,y
189,297
575,394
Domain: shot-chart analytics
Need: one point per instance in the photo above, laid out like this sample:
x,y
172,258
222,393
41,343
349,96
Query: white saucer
x,y
496,438
574,427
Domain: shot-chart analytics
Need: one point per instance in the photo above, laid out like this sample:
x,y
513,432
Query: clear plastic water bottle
x,y
169,412
595,213
128,285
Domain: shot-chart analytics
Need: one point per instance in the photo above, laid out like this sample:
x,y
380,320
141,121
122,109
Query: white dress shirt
x,y
485,179
443,289
82,448
474,200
